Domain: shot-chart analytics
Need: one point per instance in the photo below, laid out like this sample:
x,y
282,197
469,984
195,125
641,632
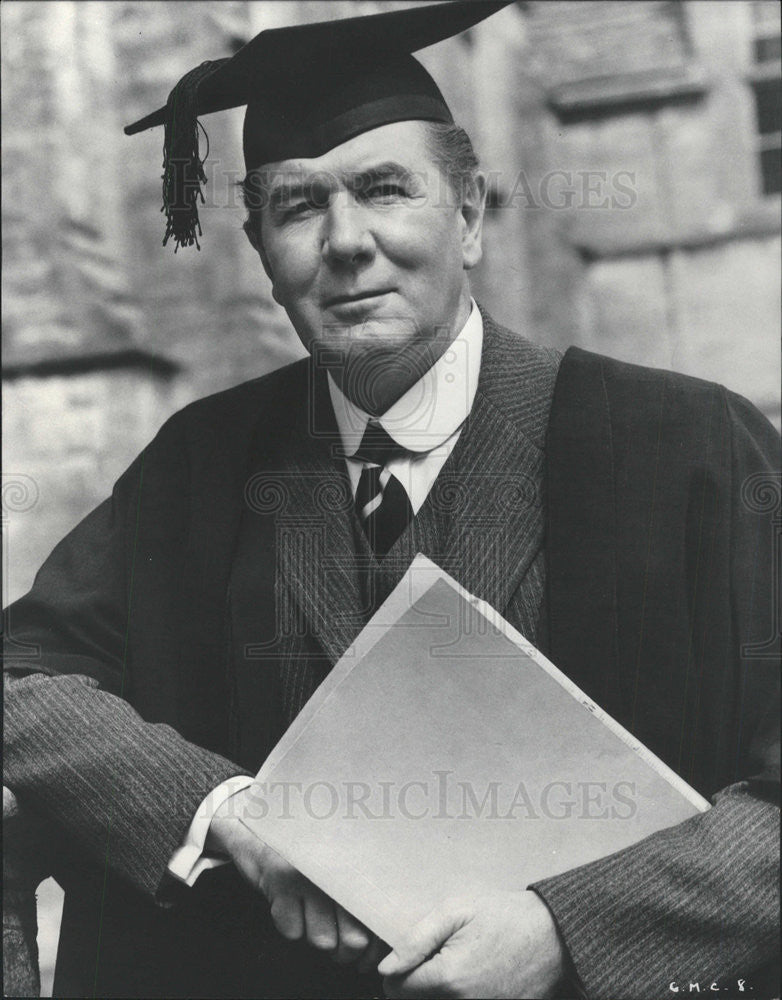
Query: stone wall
x,y
653,238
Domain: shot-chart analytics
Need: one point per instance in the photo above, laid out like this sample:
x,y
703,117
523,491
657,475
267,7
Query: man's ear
x,y
472,210
256,242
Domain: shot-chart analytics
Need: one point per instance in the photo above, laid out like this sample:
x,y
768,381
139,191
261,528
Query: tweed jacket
x,y
170,639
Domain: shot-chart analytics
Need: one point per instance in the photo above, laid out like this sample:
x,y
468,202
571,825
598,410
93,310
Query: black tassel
x,y
183,170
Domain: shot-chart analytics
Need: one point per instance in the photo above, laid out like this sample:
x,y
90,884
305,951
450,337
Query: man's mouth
x,y
338,300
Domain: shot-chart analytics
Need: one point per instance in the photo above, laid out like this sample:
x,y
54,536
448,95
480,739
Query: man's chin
x,y
383,329
364,352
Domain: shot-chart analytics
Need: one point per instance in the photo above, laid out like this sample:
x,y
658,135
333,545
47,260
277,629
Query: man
x,y
177,632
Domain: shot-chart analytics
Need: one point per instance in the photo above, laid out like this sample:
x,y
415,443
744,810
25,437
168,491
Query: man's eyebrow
x,y
287,191
362,179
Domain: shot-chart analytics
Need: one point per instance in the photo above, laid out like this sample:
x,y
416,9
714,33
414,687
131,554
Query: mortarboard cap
x,y
307,88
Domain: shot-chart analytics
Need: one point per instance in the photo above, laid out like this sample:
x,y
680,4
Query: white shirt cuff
x,y
188,861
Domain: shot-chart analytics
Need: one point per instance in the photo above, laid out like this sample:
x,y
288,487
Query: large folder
x,y
445,755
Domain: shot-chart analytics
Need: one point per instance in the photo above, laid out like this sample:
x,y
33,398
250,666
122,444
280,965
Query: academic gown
x,y
169,640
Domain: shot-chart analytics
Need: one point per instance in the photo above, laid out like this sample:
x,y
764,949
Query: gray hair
x,y
451,149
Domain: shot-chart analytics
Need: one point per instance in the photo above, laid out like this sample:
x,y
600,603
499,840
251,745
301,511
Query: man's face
x,y
367,247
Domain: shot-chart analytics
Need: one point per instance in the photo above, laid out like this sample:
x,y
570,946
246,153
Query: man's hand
x,y
298,908
500,945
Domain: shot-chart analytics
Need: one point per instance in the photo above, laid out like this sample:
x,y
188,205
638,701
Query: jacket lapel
x,y
315,529
492,483
483,520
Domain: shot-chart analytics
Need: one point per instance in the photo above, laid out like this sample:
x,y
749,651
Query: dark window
x,y
768,49
766,30
767,88
768,103
771,167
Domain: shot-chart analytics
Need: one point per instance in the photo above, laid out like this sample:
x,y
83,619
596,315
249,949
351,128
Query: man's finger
x,y
320,921
372,955
424,939
288,917
354,938
427,980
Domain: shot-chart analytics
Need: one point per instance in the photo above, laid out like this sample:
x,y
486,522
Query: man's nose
x,y
347,238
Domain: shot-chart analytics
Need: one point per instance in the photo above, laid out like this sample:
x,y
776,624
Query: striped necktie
x,y
382,503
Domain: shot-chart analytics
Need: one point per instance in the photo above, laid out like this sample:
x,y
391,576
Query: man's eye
x,y
298,208
385,190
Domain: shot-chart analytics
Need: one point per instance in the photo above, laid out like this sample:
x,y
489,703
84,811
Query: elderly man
x,y
177,632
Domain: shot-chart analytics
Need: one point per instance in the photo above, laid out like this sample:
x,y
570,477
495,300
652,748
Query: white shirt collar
x,y
433,409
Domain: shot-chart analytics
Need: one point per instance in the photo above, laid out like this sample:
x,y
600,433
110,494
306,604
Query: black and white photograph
x,y
391,498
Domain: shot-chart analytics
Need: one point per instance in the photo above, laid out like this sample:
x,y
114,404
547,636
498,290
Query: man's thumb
x,y
423,940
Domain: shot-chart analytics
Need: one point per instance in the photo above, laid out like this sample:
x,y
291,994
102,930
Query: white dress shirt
x,y
426,422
